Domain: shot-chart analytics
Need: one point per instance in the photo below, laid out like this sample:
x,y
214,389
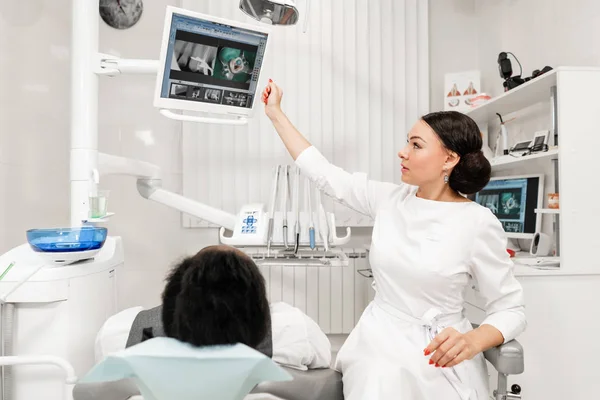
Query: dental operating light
x,y
272,12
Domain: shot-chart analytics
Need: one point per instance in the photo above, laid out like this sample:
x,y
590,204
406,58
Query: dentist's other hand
x,y
271,96
450,348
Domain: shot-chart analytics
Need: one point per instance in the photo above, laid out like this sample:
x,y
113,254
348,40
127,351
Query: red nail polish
x,y
427,352
270,80
430,362
437,365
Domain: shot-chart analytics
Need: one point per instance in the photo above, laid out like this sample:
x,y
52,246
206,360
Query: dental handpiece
x,y
284,197
311,225
323,227
272,209
297,208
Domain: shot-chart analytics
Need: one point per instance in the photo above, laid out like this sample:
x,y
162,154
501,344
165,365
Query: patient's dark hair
x,y
216,297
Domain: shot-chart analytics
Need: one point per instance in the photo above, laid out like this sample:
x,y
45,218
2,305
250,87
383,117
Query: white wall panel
x,y
353,84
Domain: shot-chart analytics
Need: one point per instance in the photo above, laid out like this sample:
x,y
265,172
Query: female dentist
x,y
413,341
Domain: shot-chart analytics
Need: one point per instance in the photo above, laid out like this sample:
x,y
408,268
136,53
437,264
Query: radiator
x,y
334,297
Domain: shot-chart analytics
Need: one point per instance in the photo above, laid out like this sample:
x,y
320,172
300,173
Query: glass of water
x,y
98,204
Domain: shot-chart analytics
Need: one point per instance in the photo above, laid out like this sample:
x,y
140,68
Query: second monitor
x,y
513,200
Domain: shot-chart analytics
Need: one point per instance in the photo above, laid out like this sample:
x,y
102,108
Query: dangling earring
x,y
446,178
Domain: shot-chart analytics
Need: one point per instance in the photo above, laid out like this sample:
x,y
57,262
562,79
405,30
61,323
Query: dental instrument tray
x,y
67,245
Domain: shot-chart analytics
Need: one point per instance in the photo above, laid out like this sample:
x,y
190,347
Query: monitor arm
x,y
110,65
149,185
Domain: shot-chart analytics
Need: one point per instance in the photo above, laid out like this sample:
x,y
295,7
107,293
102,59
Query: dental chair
x,y
322,384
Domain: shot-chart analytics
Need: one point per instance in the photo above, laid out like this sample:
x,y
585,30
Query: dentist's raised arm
x,y
293,140
354,190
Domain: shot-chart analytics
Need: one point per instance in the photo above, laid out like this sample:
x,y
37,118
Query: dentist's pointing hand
x,y
271,96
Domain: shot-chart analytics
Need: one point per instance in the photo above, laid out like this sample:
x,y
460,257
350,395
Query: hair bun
x,y
474,156
471,174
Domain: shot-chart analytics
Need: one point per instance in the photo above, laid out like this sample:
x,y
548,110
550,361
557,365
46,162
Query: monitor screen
x,y
513,201
209,64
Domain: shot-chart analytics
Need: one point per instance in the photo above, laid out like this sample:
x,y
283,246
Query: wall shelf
x,y
547,210
508,161
524,271
573,112
523,96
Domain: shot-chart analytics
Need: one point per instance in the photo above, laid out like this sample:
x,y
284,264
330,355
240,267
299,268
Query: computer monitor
x,y
513,200
209,64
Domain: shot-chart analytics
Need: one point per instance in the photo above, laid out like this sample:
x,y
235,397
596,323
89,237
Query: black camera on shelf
x,y
505,69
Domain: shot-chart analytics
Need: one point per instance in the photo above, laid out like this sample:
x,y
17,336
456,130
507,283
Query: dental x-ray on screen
x,y
513,200
209,64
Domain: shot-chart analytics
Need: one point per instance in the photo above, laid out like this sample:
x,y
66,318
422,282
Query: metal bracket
x,y
304,258
109,65
106,64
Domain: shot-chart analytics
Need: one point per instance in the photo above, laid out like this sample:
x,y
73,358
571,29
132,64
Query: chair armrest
x,y
507,358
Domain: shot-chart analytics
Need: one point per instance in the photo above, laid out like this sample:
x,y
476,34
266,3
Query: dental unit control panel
x,y
286,230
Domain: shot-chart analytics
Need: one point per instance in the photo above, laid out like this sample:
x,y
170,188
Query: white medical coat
x,y
424,254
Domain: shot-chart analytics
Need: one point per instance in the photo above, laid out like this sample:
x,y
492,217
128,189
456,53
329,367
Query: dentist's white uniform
x,y
423,255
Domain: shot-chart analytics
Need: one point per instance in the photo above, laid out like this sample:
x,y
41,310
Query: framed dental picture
x,y
460,88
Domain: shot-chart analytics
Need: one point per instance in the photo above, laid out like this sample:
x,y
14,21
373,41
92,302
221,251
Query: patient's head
x,y
216,297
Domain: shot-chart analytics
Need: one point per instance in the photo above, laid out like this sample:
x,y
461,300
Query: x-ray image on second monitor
x,y
513,200
510,204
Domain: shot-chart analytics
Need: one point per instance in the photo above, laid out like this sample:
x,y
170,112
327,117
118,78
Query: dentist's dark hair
x,y
216,297
460,134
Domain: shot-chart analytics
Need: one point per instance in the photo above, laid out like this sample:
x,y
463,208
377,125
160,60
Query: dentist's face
x,y
424,156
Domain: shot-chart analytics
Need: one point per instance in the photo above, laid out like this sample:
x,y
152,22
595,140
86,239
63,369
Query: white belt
x,y
434,321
